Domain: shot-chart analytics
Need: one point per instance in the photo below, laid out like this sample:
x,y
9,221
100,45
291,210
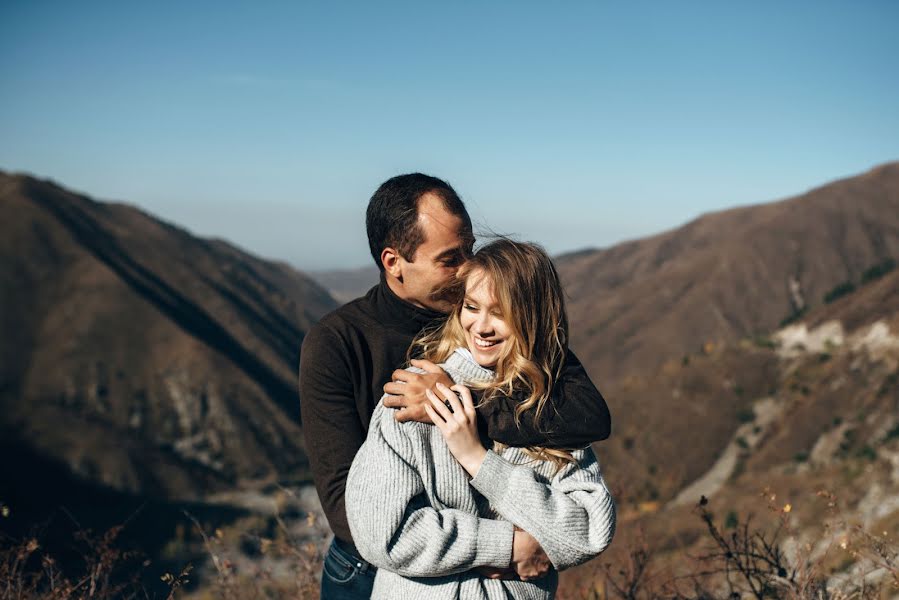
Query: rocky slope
x,y
141,357
726,275
799,428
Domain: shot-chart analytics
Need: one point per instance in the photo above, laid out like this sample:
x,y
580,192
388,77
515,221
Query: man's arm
x,y
331,425
576,414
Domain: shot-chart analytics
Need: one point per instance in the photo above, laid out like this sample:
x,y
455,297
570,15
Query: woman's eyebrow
x,y
468,300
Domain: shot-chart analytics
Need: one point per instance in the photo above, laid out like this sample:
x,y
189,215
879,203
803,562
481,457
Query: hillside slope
x,y
144,358
728,274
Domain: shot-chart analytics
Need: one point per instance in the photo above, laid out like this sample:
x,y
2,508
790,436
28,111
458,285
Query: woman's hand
x,y
457,421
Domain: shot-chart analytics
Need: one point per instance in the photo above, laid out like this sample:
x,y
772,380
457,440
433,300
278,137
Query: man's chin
x,y
442,300
442,306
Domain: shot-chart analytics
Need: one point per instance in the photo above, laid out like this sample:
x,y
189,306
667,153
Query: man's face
x,y
446,244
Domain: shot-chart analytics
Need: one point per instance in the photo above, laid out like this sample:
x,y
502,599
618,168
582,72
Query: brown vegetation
x,y
726,275
750,558
171,359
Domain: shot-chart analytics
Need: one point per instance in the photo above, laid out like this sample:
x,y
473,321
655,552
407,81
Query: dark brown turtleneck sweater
x,y
350,354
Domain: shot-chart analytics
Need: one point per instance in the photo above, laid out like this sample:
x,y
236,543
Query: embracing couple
x,y
469,473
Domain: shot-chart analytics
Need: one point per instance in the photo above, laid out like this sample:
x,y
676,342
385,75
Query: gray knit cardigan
x,y
417,515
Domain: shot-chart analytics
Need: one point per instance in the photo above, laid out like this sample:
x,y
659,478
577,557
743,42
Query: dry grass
x,y
765,557
263,558
105,570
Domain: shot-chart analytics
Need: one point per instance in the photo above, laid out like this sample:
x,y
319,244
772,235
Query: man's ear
x,y
391,260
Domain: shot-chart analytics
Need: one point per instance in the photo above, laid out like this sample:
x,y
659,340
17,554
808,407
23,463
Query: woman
x,y
432,507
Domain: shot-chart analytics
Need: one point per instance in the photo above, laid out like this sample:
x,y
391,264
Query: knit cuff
x,y
494,544
493,477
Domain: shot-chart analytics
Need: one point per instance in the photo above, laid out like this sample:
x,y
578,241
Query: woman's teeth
x,y
484,343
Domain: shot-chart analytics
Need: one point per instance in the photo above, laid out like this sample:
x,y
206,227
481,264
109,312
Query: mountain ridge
x,y
727,274
148,342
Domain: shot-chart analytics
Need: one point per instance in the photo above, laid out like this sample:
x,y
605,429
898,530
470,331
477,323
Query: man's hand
x,y
528,558
494,573
407,390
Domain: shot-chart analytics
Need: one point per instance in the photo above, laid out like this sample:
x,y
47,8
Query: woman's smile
x,y
482,320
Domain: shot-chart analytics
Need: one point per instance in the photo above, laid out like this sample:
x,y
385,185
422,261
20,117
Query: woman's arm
x,y
393,525
573,517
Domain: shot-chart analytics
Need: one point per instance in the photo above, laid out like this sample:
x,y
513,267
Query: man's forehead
x,y
441,226
433,212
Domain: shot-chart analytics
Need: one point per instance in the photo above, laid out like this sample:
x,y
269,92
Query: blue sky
x,y
572,124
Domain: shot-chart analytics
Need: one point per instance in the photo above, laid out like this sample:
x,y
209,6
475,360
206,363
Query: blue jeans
x,y
346,576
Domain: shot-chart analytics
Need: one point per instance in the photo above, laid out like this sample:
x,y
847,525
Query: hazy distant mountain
x,y
142,357
347,284
727,274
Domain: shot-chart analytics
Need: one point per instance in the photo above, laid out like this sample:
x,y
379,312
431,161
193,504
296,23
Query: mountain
x,y
143,358
706,405
751,357
726,275
796,431
677,420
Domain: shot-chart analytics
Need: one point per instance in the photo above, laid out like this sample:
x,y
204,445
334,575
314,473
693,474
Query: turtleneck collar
x,y
393,310
461,360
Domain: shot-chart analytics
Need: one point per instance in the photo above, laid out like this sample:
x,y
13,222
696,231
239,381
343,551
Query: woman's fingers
x,y
467,400
435,418
454,401
439,407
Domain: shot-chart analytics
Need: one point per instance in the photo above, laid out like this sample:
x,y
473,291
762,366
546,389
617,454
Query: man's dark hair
x,y
392,216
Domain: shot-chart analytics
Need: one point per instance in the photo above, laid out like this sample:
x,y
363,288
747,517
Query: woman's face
x,y
486,331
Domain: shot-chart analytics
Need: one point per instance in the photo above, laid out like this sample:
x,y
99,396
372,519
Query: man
x,y
419,233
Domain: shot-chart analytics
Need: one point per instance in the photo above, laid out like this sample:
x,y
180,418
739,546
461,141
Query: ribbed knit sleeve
x,y
393,523
572,516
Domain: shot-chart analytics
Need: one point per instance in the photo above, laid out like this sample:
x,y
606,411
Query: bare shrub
x,y
283,566
27,571
752,557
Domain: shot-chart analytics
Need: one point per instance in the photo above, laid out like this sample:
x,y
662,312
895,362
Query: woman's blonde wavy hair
x,y
528,291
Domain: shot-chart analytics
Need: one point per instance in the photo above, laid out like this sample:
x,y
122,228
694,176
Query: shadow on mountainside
x,y
178,307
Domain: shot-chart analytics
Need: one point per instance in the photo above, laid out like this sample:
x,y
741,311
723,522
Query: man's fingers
x,y
425,365
412,413
395,388
394,401
403,415
404,375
